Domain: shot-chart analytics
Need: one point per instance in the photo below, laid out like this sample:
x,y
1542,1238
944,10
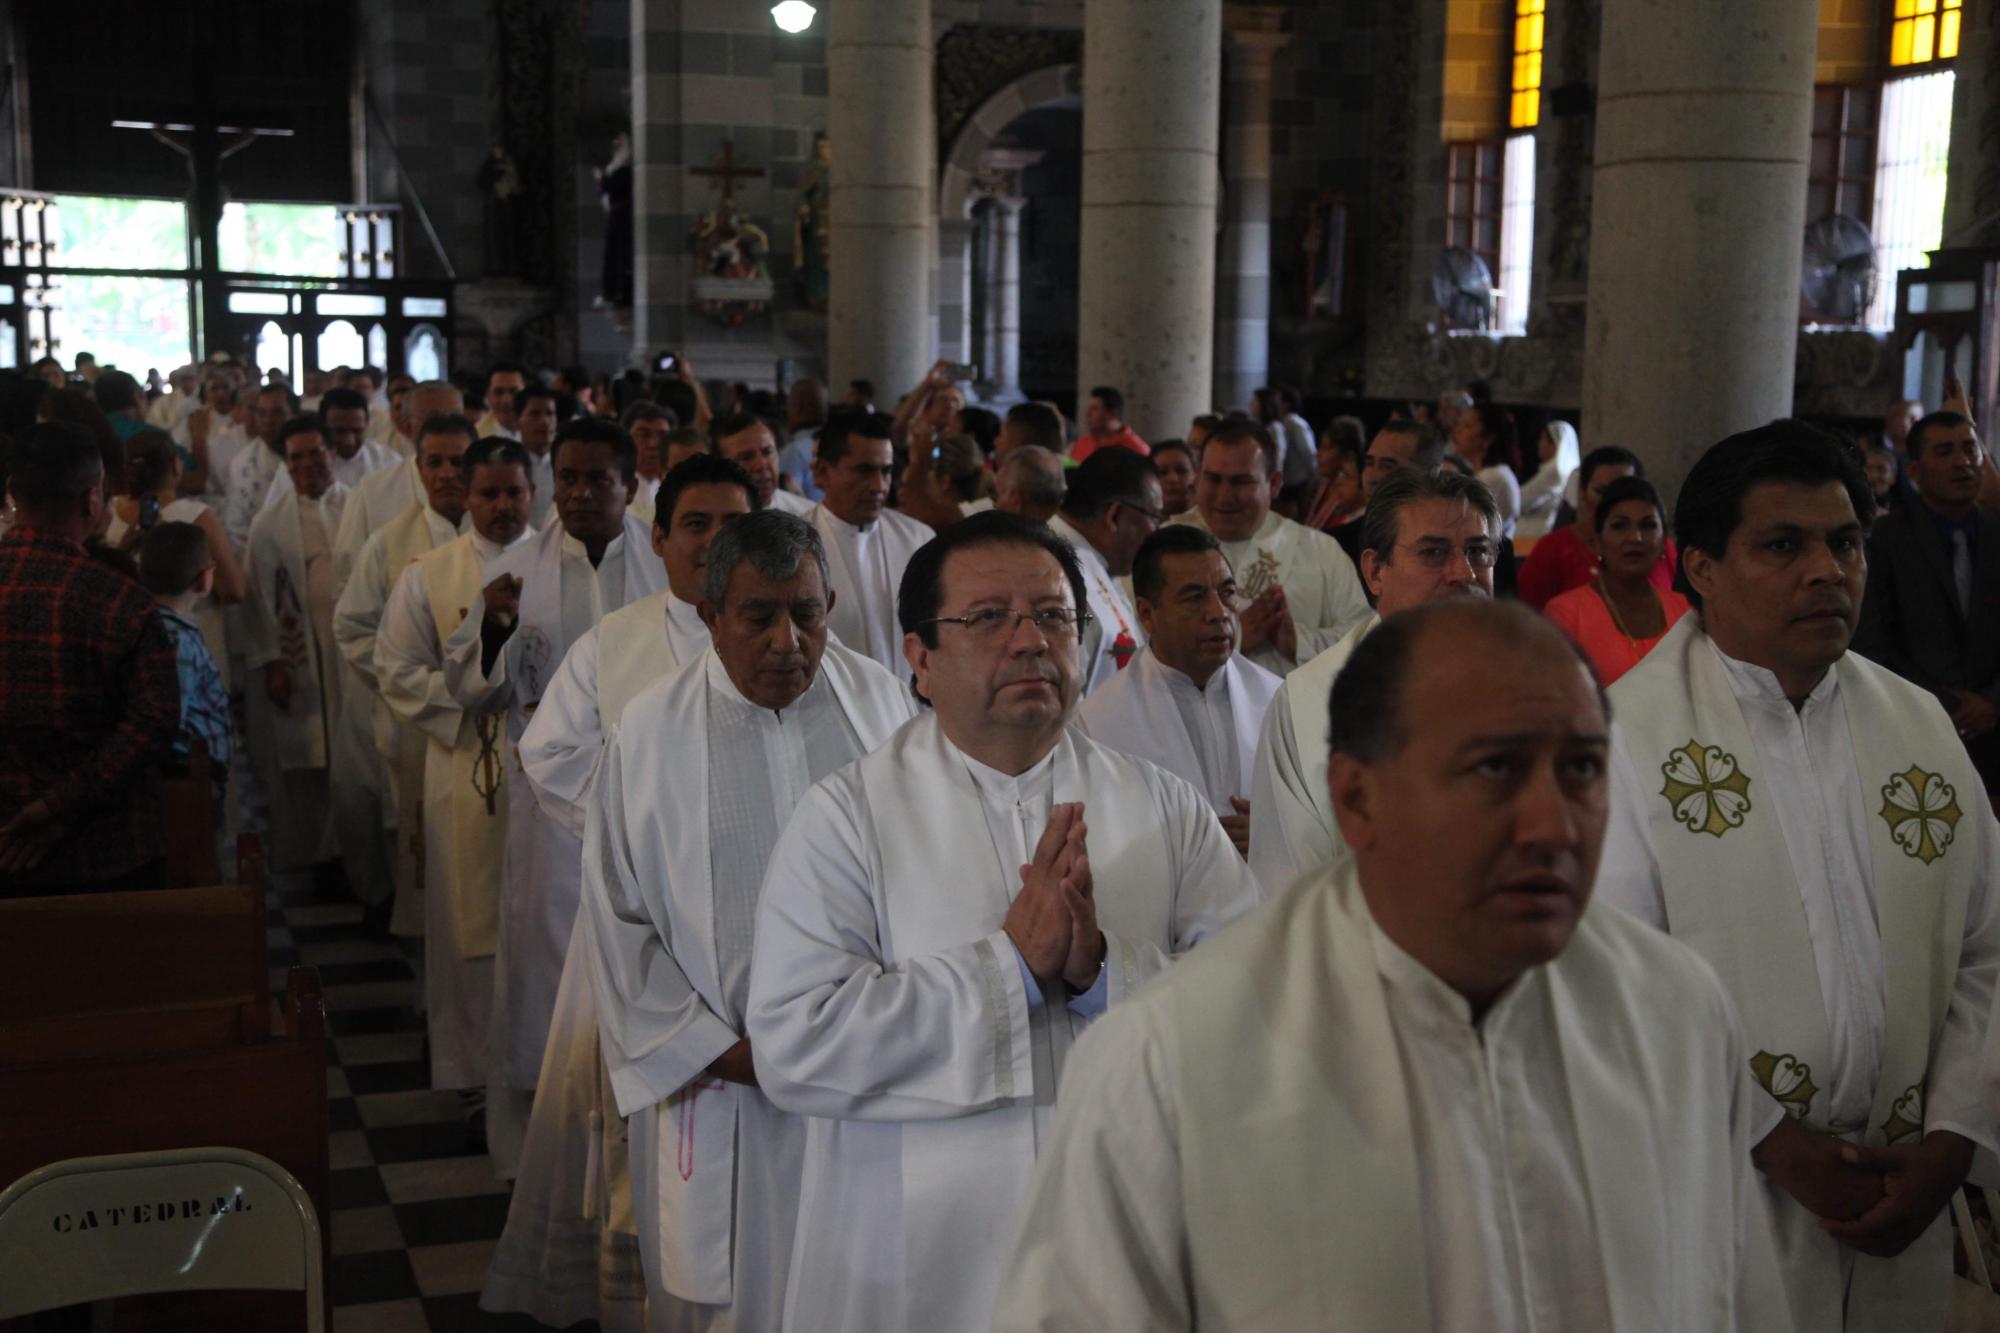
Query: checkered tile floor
x,y
416,1212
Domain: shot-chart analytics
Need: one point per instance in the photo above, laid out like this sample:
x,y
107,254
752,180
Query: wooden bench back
x,y
102,974
266,1095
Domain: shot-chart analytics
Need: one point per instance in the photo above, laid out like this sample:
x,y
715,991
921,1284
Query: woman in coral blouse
x,y
1618,616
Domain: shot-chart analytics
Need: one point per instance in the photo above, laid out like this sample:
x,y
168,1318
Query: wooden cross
x,y
728,172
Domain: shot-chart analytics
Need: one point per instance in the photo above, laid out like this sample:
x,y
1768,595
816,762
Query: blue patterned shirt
x,y
204,702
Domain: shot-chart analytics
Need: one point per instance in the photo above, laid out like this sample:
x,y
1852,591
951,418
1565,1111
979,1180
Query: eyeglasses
x,y
1000,622
1436,555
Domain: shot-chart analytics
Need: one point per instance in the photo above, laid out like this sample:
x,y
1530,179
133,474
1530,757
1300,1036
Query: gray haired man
x,y
695,786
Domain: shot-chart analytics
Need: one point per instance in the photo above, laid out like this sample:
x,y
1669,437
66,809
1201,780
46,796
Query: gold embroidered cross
x,y
1922,811
1705,789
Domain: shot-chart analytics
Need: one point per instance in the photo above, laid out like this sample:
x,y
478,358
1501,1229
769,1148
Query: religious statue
x,y
810,240
732,279
614,191
501,181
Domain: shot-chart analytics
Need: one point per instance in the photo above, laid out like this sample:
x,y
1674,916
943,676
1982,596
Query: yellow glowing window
x,y
1524,107
1925,30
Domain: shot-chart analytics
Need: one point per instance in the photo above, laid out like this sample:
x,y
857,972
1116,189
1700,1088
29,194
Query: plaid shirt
x,y
89,705
204,702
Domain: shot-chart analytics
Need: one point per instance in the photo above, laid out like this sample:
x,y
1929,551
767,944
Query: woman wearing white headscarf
x,y
1553,485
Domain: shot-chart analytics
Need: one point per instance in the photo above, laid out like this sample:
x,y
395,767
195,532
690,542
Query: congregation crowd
x,y
942,868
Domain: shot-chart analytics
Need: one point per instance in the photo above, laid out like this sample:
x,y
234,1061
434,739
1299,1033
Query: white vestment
x,y
1834,863
542,474
380,497
1291,825
357,623
1206,735
786,502
225,441
601,673
1322,588
695,787
562,597
244,489
464,799
289,620
643,496
1114,634
570,1249
1301,1128
866,567
888,1004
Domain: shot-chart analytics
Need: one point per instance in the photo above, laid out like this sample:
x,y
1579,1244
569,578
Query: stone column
x,y
883,131
1000,177
1243,283
1006,371
989,287
1146,290
955,288
1704,112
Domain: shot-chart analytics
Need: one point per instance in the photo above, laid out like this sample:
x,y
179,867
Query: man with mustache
x,y
1427,534
868,544
1188,702
705,768
1932,613
464,788
1303,590
1810,823
441,445
393,491
941,919
1437,1088
539,599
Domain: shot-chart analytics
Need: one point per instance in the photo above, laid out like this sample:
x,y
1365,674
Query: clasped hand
x,y
1053,920
1878,1200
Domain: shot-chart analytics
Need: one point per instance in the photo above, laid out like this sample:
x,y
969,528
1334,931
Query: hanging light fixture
x,y
793,15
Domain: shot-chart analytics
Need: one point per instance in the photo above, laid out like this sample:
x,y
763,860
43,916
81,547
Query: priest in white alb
x,y
868,544
746,440
1440,1088
540,598
1189,702
1810,824
941,919
293,695
704,770
465,767
1426,535
352,455
635,645
391,492
536,416
1303,591
1111,504
439,453
247,484
570,1248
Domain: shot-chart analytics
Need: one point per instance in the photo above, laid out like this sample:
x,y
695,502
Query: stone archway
x,y
966,180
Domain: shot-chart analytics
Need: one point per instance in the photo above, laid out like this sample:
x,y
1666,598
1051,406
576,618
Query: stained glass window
x,y
1925,30
1524,108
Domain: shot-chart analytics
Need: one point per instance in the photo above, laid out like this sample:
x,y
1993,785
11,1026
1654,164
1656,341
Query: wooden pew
x,y
266,1094
187,819
99,975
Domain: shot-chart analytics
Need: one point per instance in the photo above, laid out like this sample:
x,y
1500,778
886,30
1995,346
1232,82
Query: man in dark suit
x,y
1932,609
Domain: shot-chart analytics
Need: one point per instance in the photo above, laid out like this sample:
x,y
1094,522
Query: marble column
x,y
1243,282
1146,291
1704,112
883,131
989,287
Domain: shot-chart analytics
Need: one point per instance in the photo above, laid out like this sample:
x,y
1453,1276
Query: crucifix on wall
x,y
732,279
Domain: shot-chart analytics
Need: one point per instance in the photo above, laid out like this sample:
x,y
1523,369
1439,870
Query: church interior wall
x,y
1051,244
431,70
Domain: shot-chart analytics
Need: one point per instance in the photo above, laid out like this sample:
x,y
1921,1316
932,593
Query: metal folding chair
x,y
190,1219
